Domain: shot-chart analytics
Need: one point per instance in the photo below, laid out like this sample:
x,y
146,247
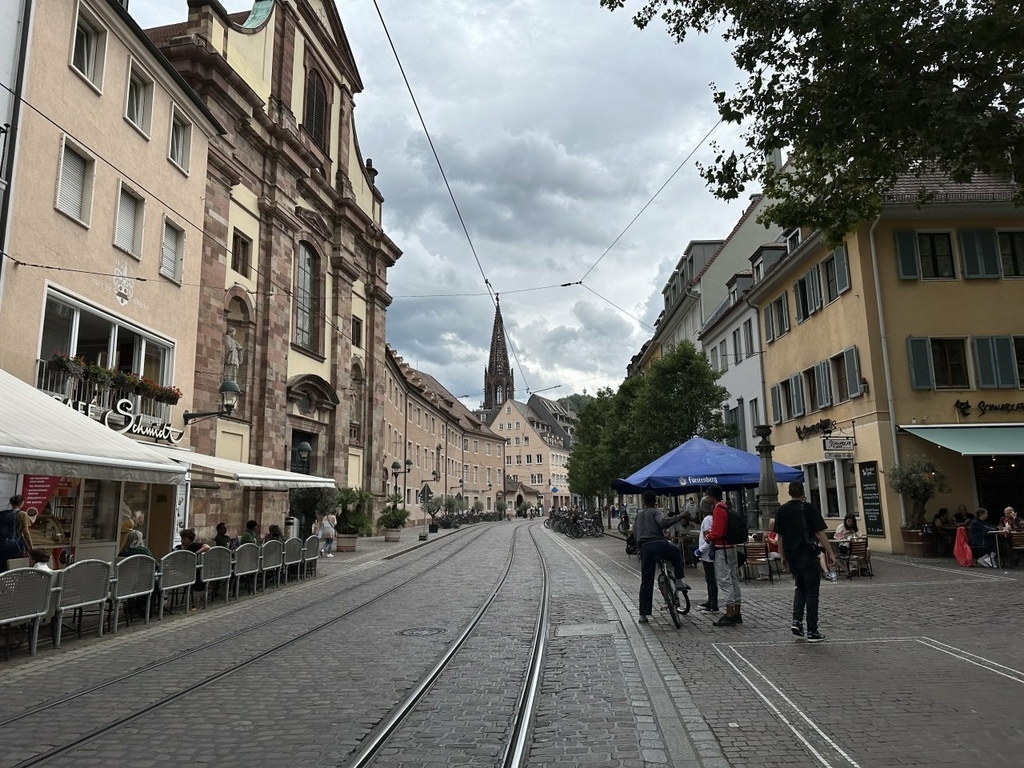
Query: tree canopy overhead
x,y
859,94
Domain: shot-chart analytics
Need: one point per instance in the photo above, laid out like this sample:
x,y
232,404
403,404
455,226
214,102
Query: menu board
x,y
871,498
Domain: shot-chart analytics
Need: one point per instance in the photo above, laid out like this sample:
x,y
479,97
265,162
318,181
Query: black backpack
x,y
737,532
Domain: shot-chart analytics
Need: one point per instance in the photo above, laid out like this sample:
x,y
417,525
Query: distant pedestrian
x,y
726,559
327,534
799,524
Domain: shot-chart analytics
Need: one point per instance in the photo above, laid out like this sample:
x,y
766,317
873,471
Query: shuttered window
x,y
128,232
919,355
823,384
769,324
906,254
994,362
852,362
315,110
980,249
776,404
796,396
75,173
171,252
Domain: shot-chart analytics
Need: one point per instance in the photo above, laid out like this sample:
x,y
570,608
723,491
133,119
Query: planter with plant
x,y
920,480
354,518
393,519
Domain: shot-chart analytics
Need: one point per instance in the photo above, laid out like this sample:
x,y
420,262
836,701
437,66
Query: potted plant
x,y
170,395
353,517
65,363
920,480
500,506
98,375
127,383
393,519
432,506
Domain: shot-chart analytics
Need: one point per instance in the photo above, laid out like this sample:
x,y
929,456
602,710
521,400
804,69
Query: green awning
x,y
973,440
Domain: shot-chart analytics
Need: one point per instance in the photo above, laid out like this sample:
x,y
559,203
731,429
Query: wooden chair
x,y
1016,546
757,556
856,560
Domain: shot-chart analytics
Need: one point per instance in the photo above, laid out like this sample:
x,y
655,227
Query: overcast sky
x,y
555,123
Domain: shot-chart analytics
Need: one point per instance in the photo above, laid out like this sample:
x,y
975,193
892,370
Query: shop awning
x,y
39,435
973,439
246,475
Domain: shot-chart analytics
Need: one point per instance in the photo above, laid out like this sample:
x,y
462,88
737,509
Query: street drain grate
x,y
421,631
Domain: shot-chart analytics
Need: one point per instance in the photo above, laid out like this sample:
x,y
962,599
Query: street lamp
x,y
229,393
396,470
303,450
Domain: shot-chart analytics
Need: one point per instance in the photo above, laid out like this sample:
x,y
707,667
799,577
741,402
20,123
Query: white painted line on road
x,y
862,641
800,712
986,664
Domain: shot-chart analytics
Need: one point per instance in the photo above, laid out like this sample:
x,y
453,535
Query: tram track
x,y
458,546
516,745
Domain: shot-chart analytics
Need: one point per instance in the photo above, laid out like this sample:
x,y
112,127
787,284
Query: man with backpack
x,y
728,529
801,529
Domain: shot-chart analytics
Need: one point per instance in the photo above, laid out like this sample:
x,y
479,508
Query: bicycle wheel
x,y
623,526
683,602
668,591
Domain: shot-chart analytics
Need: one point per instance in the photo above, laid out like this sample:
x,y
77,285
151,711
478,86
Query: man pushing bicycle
x,y
648,530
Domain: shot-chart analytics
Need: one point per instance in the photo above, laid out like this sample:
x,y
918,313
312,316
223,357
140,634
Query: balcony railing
x,y
100,394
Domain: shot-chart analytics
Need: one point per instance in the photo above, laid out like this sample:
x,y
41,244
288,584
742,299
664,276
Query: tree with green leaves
x,y
920,480
859,94
590,468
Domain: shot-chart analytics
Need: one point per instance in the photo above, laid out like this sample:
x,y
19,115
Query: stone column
x,y
768,488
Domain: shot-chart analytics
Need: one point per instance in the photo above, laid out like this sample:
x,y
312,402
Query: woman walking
x,y
327,534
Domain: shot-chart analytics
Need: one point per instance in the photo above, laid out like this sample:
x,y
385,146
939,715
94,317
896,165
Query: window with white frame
x,y
1011,253
793,239
807,294
307,298
925,255
776,318
88,50
131,209
755,413
844,372
748,338
723,355
74,188
713,358
835,274
172,251
139,99
737,345
180,150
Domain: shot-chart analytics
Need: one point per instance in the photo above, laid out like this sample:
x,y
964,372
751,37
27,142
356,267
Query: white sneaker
x,y
330,554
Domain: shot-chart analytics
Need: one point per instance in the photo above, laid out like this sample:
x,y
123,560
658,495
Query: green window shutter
x,y
814,284
800,292
980,249
984,362
906,254
776,404
785,312
852,372
1006,365
824,384
920,355
796,395
842,270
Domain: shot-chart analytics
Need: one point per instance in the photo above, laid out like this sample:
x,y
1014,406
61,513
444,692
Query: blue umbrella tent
x,y
698,463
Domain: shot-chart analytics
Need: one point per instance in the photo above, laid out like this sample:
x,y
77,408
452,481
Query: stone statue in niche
x,y
234,355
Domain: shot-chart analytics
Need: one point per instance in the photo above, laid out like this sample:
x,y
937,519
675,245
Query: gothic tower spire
x,y
499,380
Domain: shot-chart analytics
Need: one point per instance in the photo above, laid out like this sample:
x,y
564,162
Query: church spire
x,y
499,381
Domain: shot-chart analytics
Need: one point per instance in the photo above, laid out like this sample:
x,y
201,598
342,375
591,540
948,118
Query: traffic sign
x,y
426,494
837,444
838,454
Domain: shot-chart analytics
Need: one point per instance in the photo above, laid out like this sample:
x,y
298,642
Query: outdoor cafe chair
x,y
757,556
24,600
177,575
1016,546
217,571
134,576
272,555
856,559
312,556
81,585
293,557
247,565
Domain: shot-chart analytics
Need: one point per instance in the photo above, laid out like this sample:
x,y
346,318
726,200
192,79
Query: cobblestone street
x,y
922,667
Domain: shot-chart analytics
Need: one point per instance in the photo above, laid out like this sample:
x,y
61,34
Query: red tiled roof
x,y
940,188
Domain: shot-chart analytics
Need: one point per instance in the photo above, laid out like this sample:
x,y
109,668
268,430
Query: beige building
x,y
904,340
434,445
100,288
538,442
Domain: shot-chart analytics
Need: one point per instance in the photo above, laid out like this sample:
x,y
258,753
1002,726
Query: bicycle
x,y
676,600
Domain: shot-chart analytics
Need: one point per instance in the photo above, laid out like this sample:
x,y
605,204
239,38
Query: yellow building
x,y
905,340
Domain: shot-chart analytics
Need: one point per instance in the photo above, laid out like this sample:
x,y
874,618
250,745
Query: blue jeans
x,y
712,582
328,546
650,553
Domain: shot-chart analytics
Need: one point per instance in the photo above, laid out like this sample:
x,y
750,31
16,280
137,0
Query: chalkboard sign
x,y
872,498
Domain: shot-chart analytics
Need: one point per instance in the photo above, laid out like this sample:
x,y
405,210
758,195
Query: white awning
x,y
246,475
39,435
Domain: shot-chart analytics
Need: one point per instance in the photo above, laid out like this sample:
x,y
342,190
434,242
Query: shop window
x,y
99,511
74,188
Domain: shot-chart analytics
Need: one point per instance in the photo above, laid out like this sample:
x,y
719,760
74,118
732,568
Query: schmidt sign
x,y
705,480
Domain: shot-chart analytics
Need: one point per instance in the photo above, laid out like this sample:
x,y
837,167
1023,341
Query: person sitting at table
x,y
978,536
40,560
848,530
1007,524
252,533
222,539
945,530
188,541
134,545
274,533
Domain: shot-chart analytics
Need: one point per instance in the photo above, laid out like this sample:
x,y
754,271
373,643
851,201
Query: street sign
x,y
426,494
837,444
838,454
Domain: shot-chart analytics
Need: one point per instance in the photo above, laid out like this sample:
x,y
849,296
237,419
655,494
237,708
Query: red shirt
x,y
719,525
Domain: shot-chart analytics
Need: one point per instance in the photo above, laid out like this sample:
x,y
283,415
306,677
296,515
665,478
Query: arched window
x,y
314,118
307,298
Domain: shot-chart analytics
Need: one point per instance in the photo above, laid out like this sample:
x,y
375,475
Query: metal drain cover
x,y
421,631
